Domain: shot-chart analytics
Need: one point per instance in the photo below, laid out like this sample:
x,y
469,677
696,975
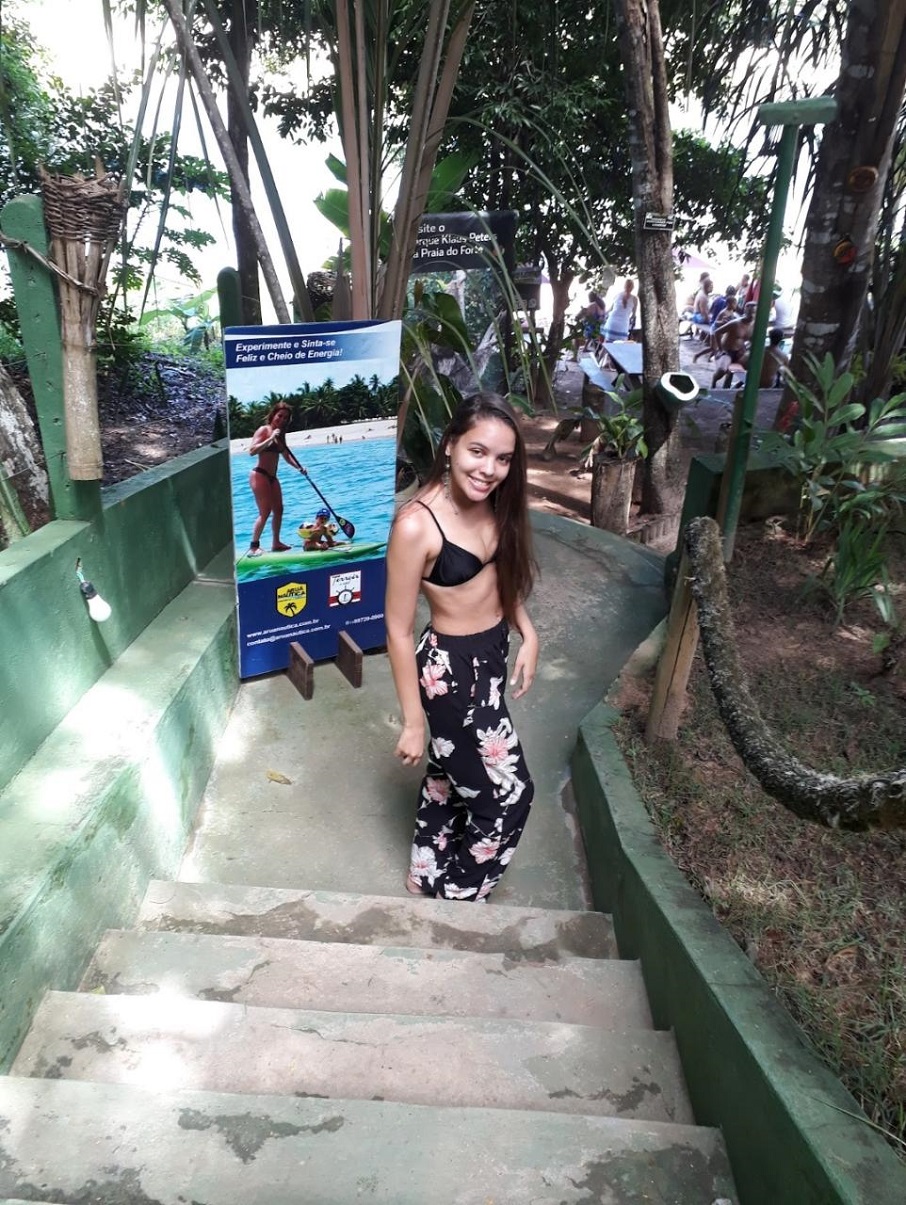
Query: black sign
x,y
658,221
447,241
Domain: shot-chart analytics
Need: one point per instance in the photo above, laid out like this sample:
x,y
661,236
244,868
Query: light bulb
x,y
98,609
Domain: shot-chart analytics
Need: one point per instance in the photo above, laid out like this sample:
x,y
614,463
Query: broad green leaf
x,y
447,179
334,205
845,414
337,168
840,389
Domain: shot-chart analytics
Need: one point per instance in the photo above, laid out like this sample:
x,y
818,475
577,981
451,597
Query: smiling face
x,y
480,459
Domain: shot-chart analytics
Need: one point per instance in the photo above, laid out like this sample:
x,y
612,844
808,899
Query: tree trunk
x,y
246,253
846,206
611,493
553,344
21,457
237,179
642,50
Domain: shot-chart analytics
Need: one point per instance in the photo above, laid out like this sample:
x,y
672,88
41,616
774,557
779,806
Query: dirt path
x,y
560,485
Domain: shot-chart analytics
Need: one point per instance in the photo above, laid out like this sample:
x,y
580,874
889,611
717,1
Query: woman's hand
x,y
411,745
525,666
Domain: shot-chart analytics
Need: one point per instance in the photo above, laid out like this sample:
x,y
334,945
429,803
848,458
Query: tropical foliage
x,y
50,125
852,487
324,405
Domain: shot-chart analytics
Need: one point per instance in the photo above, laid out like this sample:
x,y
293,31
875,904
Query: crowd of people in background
x,y
722,319
725,321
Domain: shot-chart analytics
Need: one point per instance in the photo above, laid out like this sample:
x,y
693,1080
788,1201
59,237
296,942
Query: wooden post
x,y
675,664
349,659
301,670
36,303
84,218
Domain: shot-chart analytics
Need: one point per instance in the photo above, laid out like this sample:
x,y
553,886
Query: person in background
x,y
743,287
775,361
720,302
783,311
729,313
621,316
734,346
701,310
592,316
689,306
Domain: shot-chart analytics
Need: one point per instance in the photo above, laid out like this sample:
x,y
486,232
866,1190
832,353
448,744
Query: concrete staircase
x,y
250,1044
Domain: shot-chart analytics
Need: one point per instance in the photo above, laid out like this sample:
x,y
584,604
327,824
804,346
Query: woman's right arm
x,y
406,559
261,440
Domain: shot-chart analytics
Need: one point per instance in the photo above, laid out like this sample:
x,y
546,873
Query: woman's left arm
x,y
527,657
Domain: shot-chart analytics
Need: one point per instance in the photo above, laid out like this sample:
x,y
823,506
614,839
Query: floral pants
x,y
477,792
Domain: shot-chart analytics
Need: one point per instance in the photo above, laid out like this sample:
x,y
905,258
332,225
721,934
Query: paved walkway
x,y
344,820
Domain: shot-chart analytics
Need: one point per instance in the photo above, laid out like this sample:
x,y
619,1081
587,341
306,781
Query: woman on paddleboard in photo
x,y
464,542
269,444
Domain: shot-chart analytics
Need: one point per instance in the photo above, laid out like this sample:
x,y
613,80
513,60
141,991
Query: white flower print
x,y
485,849
450,892
431,681
487,887
467,793
437,789
423,863
494,749
494,693
441,747
507,856
495,743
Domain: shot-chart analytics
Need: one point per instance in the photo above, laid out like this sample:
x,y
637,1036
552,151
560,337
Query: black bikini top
x,y
454,565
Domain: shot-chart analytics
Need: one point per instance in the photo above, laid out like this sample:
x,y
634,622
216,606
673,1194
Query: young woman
x,y
621,316
269,444
464,542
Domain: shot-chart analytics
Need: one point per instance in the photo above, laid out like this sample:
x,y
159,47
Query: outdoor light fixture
x,y
98,609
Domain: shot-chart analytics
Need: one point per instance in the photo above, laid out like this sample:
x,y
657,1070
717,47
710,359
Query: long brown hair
x,y
515,559
275,410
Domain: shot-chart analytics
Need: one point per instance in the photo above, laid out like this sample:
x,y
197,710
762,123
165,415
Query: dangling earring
x,y
446,482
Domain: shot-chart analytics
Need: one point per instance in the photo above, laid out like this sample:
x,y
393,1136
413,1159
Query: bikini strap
x,y
433,516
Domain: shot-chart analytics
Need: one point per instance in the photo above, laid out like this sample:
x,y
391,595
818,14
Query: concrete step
x,y
535,933
332,976
177,1043
113,1145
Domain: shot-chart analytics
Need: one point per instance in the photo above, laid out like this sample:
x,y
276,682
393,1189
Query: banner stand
x,y
349,661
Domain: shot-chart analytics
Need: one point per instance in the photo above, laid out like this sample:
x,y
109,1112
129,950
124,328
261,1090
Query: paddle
x,y
347,528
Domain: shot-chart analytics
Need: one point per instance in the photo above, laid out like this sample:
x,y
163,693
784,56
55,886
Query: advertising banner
x,y
312,422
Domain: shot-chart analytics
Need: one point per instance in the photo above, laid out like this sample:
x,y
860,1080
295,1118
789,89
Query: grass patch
x,y
821,913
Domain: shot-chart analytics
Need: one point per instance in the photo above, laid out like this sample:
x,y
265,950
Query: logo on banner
x,y
345,588
291,598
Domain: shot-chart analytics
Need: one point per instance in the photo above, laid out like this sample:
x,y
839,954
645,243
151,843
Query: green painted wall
x,y
108,800
150,538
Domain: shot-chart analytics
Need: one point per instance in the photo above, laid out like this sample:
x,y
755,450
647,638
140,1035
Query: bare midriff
x,y
268,459
461,610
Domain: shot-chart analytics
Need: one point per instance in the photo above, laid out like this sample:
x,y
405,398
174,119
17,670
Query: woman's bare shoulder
x,y
412,521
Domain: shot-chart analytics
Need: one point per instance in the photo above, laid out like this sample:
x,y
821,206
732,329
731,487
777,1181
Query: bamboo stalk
x,y
361,291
